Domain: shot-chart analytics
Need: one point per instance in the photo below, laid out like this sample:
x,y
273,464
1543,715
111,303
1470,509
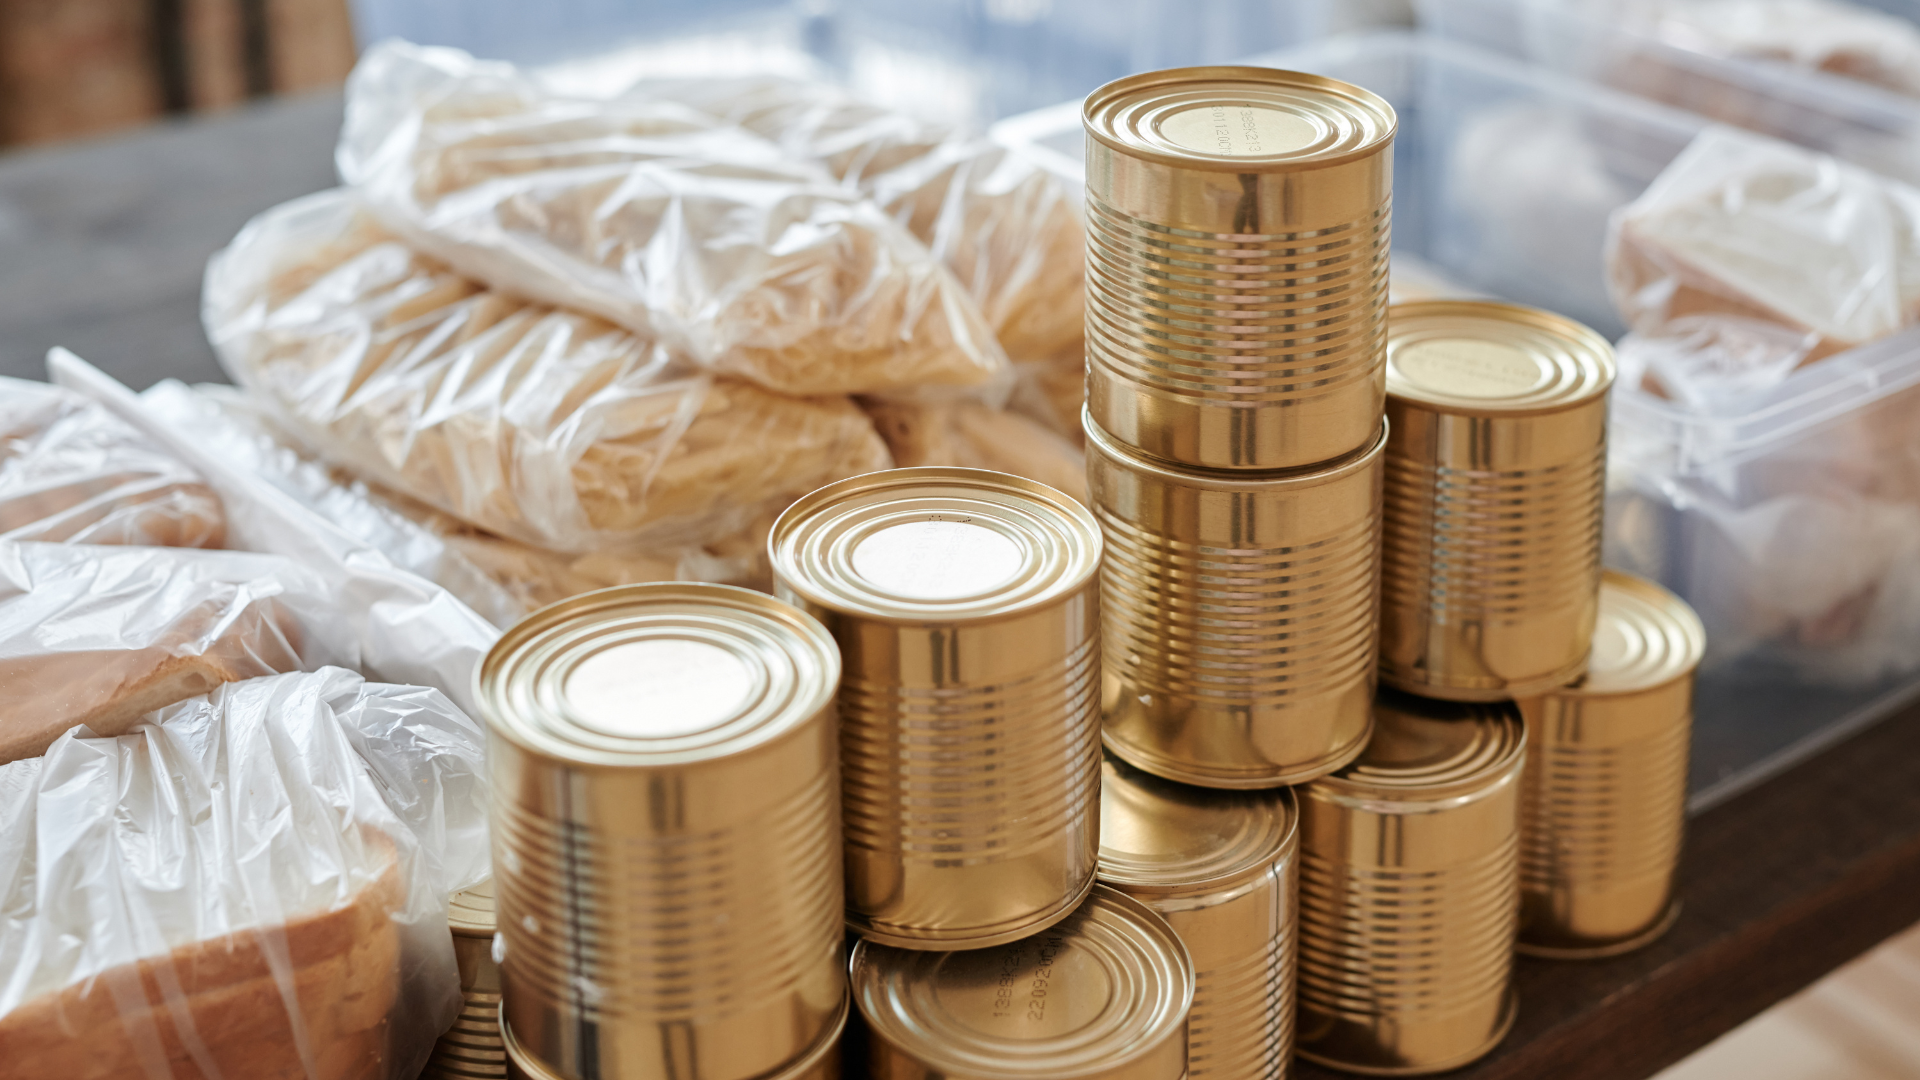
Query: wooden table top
x,y
102,246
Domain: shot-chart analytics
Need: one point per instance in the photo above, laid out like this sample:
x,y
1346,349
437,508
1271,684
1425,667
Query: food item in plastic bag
x,y
1053,393
972,436
102,636
1747,227
1009,230
253,885
1844,39
656,217
71,471
537,424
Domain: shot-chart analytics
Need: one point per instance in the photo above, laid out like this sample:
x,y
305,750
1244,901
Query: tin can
x,y
666,835
1237,234
822,1062
1496,476
471,1049
1101,995
1239,615
966,610
1221,868
1410,891
1605,800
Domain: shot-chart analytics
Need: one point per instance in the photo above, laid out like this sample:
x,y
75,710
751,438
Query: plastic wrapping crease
x,y
973,436
70,471
687,231
251,886
538,424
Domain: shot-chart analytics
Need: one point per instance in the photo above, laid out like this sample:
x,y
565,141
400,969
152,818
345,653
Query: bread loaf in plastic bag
x,y
540,425
252,885
972,436
70,471
687,231
102,636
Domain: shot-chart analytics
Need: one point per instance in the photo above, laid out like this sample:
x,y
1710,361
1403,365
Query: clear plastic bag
x,y
973,436
1849,40
540,425
70,471
102,636
251,886
686,231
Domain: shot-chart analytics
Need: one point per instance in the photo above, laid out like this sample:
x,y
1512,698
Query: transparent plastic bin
x,y
1504,178
1856,121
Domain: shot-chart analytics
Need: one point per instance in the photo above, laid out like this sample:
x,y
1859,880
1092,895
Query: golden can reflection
x,y
1237,232
472,1049
1101,995
1221,868
1238,615
964,603
666,840
1606,787
1410,891
1495,480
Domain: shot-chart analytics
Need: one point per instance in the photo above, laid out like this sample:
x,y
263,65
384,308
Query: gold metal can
x,y
1239,615
666,835
472,1049
1605,801
1237,234
1496,476
966,610
1102,995
1410,891
1221,868
822,1062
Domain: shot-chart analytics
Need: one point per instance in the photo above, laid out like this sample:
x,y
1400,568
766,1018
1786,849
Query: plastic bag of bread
x,y
102,636
71,471
973,436
537,424
684,230
1745,227
252,885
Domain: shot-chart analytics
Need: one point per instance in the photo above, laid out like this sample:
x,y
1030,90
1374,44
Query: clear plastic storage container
x,y
1793,525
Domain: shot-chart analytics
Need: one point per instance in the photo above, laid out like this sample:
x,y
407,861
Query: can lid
x,y
1238,119
1482,358
910,545
1645,637
1084,998
1422,750
656,675
1157,835
470,911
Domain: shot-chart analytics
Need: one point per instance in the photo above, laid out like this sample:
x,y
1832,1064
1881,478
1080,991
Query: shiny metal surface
x,y
1102,995
966,610
472,1049
1221,867
1606,787
666,833
1410,891
1237,233
1238,615
822,1061
1495,480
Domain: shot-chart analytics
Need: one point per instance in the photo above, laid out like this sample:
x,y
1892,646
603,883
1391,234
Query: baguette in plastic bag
x,y
687,231
253,885
541,425
70,471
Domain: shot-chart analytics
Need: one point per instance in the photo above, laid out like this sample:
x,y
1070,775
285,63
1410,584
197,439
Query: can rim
x,y
1455,782
829,1040
1040,586
1658,603
475,920
1582,341
1095,112
1137,881
1231,480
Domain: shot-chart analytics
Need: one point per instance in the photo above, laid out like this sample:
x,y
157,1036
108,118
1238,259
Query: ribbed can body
x,y
472,1048
1237,234
1408,909
1239,615
966,609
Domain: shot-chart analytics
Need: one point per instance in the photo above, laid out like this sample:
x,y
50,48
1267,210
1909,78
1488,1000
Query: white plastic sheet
x,y
695,234
71,471
253,886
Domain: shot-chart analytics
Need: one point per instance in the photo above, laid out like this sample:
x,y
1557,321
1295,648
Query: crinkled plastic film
x,y
70,471
102,636
254,885
541,425
685,230
972,436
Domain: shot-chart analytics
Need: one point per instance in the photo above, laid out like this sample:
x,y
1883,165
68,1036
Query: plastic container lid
x,y
1160,836
1238,119
1480,358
